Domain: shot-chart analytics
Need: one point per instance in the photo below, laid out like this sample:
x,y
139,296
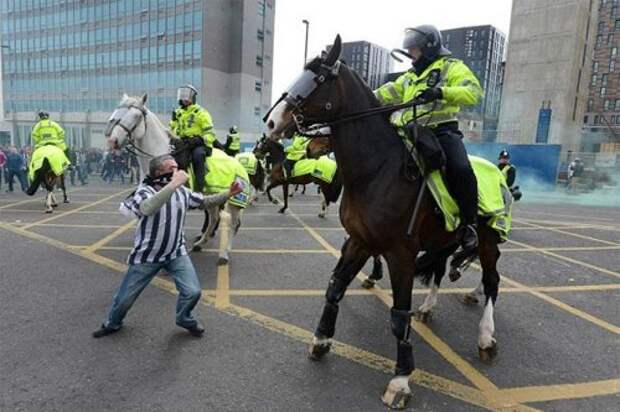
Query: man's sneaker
x,y
469,237
104,331
196,330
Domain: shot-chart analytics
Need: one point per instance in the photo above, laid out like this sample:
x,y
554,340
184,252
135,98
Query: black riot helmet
x,y
44,115
504,154
428,39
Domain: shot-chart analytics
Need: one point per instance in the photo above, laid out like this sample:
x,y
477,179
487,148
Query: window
x,y
606,105
259,60
260,35
604,80
256,110
617,25
612,65
594,80
617,105
603,91
595,67
258,85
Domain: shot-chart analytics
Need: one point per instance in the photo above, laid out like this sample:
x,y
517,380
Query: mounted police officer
x,y
193,124
295,152
48,132
445,84
233,142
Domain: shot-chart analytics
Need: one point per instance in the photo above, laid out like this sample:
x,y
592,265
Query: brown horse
x,y
275,150
380,194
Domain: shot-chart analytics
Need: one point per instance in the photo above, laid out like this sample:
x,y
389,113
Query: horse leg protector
x,y
401,326
333,295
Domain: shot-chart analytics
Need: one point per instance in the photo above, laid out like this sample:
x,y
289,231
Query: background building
x,y
75,58
602,121
482,49
372,62
547,71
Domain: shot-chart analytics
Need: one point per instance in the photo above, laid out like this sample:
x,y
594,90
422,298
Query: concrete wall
x,y
548,60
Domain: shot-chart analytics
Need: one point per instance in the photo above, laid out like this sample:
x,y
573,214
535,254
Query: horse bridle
x,y
131,145
308,82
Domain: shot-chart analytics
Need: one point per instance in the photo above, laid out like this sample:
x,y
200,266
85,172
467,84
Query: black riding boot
x,y
288,165
200,166
462,182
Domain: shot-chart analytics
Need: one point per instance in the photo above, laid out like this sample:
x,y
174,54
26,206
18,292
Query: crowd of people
x,y
110,166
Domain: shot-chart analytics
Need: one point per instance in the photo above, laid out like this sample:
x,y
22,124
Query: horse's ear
x,y
124,97
334,52
144,97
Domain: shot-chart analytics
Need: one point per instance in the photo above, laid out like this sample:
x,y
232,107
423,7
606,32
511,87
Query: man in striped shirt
x,y
160,204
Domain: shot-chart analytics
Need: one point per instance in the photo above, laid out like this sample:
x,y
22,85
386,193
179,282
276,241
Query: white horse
x,y
133,124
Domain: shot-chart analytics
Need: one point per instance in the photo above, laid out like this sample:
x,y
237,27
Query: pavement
x,y
556,318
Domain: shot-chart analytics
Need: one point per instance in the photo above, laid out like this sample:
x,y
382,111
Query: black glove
x,y
196,141
174,116
431,94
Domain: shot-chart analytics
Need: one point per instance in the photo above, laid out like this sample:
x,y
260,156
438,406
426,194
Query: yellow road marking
x,y
249,251
569,233
35,199
574,311
547,393
567,259
102,242
589,218
559,249
76,211
69,212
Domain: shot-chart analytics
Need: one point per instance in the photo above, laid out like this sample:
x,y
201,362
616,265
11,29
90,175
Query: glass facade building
x,y
79,56
482,49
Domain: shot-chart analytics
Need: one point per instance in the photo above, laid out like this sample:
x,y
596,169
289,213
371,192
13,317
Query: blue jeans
x,y
138,276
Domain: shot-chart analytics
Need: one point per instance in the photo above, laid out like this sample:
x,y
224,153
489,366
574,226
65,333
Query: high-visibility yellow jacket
x,y
48,132
297,150
235,141
193,121
459,86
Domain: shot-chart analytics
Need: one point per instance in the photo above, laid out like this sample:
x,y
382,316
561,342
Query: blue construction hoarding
x,y
537,162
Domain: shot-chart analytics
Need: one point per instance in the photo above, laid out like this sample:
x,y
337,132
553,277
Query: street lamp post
x,y
307,23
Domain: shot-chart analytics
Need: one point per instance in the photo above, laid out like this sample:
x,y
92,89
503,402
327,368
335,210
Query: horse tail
x,y
39,177
334,189
433,263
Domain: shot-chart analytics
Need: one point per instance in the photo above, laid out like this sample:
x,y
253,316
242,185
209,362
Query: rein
x,y
316,123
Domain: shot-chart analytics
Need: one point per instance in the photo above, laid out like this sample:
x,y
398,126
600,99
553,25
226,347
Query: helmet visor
x,y
414,38
185,94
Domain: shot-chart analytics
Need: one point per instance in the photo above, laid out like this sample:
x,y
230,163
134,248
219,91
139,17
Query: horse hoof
x,y
274,201
54,204
318,350
368,283
196,248
281,210
322,215
222,261
66,201
470,299
396,398
423,317
487,355
49,210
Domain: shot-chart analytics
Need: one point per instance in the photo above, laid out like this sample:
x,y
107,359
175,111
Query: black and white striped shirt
x,y
159,237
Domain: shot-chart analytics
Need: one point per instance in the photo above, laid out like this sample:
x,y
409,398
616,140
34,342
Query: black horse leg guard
x,y
401,326
334,294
